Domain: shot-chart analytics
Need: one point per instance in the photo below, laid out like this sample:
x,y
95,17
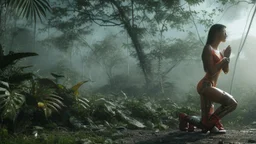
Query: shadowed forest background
x,y
106,65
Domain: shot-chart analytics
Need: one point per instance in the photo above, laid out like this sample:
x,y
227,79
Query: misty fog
x,y
110,70
74,60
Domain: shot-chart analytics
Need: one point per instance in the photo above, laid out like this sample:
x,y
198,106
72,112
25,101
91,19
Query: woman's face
x,y
222,35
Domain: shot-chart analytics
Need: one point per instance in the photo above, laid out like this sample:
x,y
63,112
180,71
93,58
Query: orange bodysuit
x,y
210,80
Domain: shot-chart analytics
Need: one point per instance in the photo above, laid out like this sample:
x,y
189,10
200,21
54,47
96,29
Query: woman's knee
x,y
231,102
229,106
234,104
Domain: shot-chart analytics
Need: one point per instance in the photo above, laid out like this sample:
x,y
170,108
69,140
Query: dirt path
x,y
176,137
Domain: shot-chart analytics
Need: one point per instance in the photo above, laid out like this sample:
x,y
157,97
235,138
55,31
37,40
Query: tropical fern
x,y
46,98
83,102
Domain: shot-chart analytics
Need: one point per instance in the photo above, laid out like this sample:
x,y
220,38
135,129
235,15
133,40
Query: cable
x,y
241,47
247,20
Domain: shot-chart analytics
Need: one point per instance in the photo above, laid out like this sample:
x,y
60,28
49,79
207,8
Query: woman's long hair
x,y
210,39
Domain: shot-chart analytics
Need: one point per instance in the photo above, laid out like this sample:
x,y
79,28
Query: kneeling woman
x,y
214,62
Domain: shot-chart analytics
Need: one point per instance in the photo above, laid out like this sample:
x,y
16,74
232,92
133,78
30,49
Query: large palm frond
x,y
10,59
30,9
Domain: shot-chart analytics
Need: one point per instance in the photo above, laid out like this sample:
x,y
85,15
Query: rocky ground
x,y
239,136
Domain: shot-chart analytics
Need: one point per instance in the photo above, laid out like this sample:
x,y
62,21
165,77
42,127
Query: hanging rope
x,y
241,46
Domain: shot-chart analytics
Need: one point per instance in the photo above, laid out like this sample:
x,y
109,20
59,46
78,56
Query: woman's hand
x,y
227,52
226,60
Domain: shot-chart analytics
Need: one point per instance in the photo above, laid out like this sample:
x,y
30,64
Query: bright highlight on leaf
x,y
76,87
40,104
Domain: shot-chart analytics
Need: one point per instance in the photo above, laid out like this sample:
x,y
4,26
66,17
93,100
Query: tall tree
x,y
108,54
136,17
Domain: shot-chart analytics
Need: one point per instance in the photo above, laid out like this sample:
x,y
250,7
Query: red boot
x,y
191,128
213,125
220,128
208,124
183,123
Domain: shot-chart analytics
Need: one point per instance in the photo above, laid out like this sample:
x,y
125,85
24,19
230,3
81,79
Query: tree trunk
x,y
144,63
